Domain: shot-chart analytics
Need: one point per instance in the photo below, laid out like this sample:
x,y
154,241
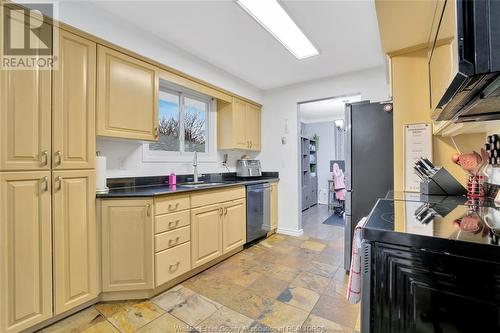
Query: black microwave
x,y
472,29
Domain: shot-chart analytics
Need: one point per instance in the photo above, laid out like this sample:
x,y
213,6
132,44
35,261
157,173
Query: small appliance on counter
x,y
248,168
436,180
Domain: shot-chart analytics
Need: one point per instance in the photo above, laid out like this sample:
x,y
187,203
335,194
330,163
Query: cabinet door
x,y
206,235
239,124
253,127
73,119
25,250
127,245
274,206
75,239
234,225
127,96
25,120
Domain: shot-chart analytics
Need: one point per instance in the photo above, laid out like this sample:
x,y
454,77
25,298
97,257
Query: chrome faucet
x,y
195,167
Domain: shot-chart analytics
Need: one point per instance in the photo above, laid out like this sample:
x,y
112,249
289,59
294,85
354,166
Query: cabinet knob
x,y
221,211
225,210
44,157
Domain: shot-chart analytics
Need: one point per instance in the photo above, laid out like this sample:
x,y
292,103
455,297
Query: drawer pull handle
x,y
148,210
44,182
221,211
173,241
173,207
59,183
173,224
225,210
58,158
174,267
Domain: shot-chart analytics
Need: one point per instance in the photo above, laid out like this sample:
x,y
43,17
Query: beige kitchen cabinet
x,y
73,121
25,116
206,234
25,250
253,131
233,225
238,125
127,96
75,239
127,244
274,206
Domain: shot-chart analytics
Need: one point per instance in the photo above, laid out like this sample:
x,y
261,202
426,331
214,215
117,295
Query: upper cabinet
x,y
127,96
73,119
238,125
25,113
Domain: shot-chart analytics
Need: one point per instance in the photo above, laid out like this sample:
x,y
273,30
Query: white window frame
x,y
210,156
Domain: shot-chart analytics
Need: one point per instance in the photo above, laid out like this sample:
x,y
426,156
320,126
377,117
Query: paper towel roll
x,y
100,170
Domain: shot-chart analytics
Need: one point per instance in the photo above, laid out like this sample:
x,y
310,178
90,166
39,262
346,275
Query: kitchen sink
x,y
199,184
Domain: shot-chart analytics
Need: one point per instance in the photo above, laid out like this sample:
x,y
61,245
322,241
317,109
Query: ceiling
x,y
325,110
223,34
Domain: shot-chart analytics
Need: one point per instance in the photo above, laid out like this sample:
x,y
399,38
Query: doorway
x,y
322,166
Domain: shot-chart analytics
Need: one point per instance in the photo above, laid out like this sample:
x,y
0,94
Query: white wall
x,y
124,158
325,152
280,108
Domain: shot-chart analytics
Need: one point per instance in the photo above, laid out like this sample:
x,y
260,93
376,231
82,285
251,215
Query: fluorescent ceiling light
x,y
273,17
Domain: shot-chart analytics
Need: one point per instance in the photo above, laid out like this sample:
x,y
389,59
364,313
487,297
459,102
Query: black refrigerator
x,y
369,163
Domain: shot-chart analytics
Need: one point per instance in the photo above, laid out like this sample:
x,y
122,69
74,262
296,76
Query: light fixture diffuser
x,y
275,19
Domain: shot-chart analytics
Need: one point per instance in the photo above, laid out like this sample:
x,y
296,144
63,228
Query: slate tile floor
x,y
283,283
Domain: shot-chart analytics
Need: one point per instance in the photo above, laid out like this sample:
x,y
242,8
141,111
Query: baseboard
x,y
290,232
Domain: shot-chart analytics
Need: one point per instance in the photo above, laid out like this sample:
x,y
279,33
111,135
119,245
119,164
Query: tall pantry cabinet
x,y
48,240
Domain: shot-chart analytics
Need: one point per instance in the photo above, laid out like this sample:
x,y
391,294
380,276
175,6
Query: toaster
x,y
248,168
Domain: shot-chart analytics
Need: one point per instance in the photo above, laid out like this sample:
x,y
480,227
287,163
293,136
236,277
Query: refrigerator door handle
x,y
348,143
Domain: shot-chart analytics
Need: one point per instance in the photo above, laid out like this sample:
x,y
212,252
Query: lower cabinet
x,y
171,263
75,239
234,231
206,235
127,245
25,250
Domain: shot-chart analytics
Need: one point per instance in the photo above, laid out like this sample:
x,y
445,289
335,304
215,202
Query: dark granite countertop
x,y
449,224
155,186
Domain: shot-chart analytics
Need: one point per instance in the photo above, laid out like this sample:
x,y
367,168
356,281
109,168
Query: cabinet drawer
x,y
171,204
210,197
172,262
172,221
172,238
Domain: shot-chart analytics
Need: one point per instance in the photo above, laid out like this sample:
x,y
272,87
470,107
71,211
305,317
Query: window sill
x,y
149,156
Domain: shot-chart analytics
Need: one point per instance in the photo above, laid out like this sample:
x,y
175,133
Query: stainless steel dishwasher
x,y
258,211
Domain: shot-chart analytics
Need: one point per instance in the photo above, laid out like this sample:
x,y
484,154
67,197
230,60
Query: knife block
x,y
442,183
